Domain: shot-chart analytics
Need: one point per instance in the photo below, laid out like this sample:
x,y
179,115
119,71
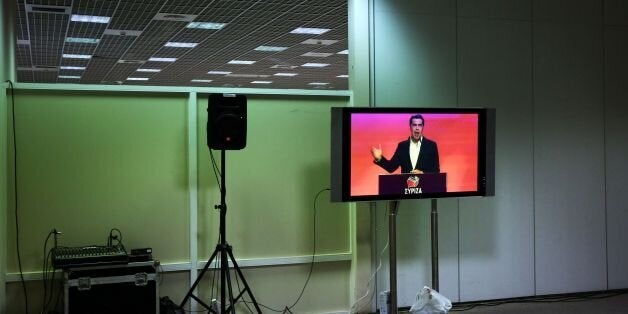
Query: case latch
x,y
141,279
84,283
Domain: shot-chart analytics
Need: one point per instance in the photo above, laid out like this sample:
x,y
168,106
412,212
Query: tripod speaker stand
x,y
226,129
225,251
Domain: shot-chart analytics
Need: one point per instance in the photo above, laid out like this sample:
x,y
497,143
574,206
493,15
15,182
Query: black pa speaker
x,y
226,121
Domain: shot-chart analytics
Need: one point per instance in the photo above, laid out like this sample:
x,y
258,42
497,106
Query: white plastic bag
x,y
429,301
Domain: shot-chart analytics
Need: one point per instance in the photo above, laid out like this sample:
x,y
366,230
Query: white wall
x,y
554,70
616,137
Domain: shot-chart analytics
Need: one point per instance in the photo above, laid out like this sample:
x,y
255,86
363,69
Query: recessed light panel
x,y
317,54
206,25
90,19
241,62
248,75
180,45
262,82
200,81
137,79
324,42
315,65
162,59
75,56
310,31
74,77
131,61
344,52
343,76
149,70
284,66
67,67
318,83
286,74
219,72
270,48
79,40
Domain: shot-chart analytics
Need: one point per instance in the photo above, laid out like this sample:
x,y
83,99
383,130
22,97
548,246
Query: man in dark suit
x,y
417,154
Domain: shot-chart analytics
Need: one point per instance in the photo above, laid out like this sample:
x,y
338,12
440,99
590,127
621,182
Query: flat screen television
x,y
411,153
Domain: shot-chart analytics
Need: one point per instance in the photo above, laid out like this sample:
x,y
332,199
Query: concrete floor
x,y
600,304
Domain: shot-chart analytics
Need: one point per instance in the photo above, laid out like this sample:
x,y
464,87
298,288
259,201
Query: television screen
x,y
400,153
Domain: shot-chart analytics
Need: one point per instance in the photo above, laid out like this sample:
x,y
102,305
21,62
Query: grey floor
x,y
606,305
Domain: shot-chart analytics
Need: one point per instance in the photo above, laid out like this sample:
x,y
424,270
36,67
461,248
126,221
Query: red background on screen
x,y
455,134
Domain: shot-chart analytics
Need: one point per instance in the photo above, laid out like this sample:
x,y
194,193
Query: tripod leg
x,y
246,285
198,279
230,288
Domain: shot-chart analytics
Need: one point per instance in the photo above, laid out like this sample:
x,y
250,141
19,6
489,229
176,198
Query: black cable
x,y
48,282
45,272
267,307
287,309
216,170
17,224
240,290
309,275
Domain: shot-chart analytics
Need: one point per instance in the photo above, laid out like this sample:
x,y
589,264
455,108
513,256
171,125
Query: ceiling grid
x,y
251,43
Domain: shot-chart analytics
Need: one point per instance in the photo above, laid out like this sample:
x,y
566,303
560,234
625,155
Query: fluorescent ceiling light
x,y
270,48
315,65
69,77
262,82
343,76
162,59
344,52
241,62
318,83
284,66
200,81
149,70
316,54
90,18
206,25
131,61
67,67
325,42
285,74
248,75
73,56
79,40
311,31
219,72
137,79
180,45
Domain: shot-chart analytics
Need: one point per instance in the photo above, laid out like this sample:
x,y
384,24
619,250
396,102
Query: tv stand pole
x,y
392,254
392,262
434,236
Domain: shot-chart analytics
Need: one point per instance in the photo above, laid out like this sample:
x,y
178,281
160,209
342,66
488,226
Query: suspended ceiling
x,y
220,43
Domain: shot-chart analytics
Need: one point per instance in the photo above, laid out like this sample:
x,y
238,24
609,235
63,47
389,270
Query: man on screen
x,y
417,154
